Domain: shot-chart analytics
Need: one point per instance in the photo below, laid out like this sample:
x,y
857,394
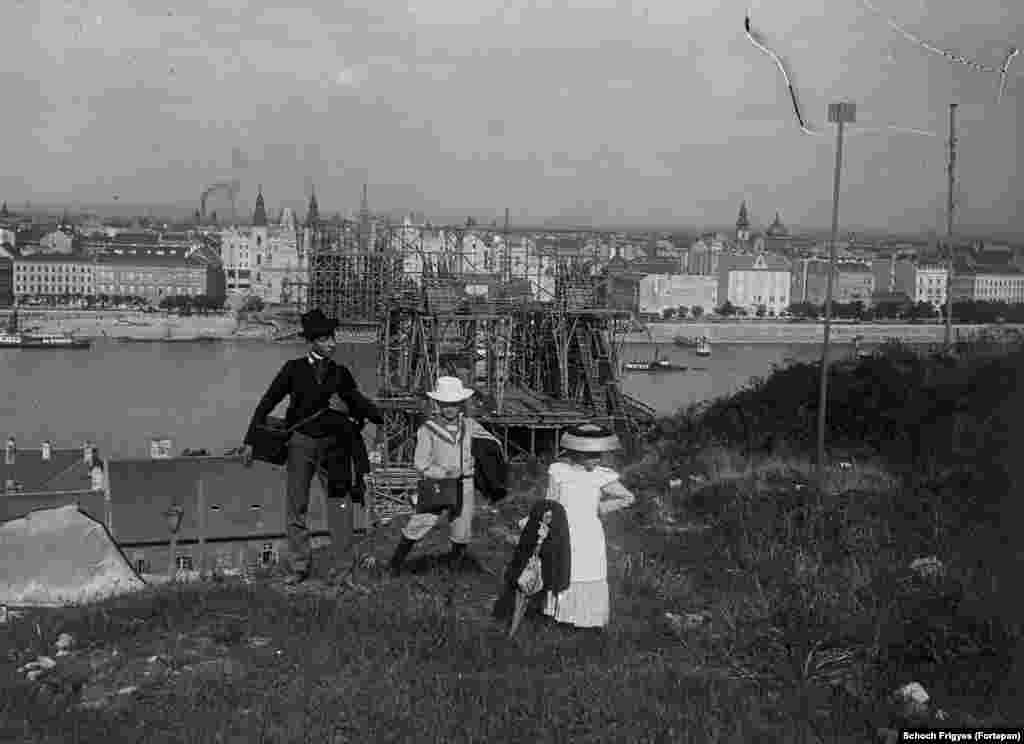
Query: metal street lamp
x,y
173,516
840,114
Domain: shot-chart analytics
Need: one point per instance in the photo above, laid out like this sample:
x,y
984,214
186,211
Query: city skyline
x,y
177,215
588,113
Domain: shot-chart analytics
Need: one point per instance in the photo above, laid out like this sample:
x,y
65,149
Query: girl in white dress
x,y
586,489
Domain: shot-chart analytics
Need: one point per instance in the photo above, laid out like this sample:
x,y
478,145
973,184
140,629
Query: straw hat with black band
x,y
590,439
450,391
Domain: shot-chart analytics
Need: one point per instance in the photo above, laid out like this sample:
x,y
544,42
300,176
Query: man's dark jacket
x,y
555,556
490,475
309,389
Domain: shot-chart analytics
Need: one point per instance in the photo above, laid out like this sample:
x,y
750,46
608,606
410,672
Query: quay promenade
x,y
128,324
133,325
768,332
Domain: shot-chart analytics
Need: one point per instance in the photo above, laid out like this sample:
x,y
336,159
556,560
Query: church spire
x,y
259,215
313,212
743,221
743,224
364,223
777,227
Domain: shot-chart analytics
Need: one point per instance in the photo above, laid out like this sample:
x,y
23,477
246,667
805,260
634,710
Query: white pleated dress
x,y
585,603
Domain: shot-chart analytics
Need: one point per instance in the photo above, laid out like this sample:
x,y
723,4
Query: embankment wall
x,y
141,326
752,332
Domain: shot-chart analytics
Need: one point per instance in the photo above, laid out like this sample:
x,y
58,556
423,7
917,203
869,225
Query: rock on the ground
x,y
686,621
913,697
928,568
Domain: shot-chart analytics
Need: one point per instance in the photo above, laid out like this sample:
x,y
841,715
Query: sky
x,y
656,111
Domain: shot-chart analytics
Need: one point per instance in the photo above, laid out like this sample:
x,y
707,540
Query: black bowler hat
x,y
317,325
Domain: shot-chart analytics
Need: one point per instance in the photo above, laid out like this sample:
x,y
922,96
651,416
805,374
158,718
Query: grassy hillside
x,y
748,605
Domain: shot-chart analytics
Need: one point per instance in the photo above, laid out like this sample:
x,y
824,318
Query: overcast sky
x,y
598,110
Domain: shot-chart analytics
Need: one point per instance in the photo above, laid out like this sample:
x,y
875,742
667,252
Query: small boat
x,y
858,351
658,364
685,341
703,347
655,365
12,338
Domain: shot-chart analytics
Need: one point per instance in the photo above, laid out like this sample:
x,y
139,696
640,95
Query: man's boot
x,y
400,555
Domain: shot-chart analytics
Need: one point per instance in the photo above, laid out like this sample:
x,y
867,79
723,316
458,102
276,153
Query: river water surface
x,y
201,395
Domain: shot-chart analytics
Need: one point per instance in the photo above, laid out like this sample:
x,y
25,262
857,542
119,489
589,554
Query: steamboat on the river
x,y
13,338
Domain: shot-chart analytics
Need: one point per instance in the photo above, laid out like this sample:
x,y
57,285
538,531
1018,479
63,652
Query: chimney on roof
x,y
47,449
96,473
160,448
88,453
9,451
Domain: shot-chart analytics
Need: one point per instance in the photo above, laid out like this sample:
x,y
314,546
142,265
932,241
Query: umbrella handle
x,y
517,615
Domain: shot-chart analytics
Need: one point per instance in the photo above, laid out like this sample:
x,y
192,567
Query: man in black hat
x,y
320,388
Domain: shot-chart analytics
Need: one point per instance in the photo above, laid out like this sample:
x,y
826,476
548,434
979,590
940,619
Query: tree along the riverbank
x,y
970,311
188,304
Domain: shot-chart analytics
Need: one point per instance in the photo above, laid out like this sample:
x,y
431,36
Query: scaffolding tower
x,y
537,342
346,282
537,368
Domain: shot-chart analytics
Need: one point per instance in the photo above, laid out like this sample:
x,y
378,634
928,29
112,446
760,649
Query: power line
x,y
805,127
949,55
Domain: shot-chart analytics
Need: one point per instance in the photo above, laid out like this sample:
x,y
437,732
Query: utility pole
x,y
840,114
508,251
951,170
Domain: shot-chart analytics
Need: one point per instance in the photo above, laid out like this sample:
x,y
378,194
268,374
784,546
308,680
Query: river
x,y
201,395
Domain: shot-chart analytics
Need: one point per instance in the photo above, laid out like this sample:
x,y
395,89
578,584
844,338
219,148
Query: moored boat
x,y
12,338
655,365
42,341
703,347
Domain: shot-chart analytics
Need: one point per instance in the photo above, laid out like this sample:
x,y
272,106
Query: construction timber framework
x,y
540,358
355,267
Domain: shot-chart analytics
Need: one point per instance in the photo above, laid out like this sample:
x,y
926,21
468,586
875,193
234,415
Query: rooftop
x,y
64,471
50,258
240,501
140,259
16,506
759,262
999,271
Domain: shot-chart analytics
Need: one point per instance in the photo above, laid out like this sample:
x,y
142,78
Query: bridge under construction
x,y
529,332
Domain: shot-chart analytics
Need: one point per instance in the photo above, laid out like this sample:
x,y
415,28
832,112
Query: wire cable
x,y
948,54
806,127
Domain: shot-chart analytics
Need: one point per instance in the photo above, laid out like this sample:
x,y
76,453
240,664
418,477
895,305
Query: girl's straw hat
x,y
449,390
590,438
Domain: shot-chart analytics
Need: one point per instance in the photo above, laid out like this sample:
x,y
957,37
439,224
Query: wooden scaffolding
x,y
346,281
537,368
540,350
